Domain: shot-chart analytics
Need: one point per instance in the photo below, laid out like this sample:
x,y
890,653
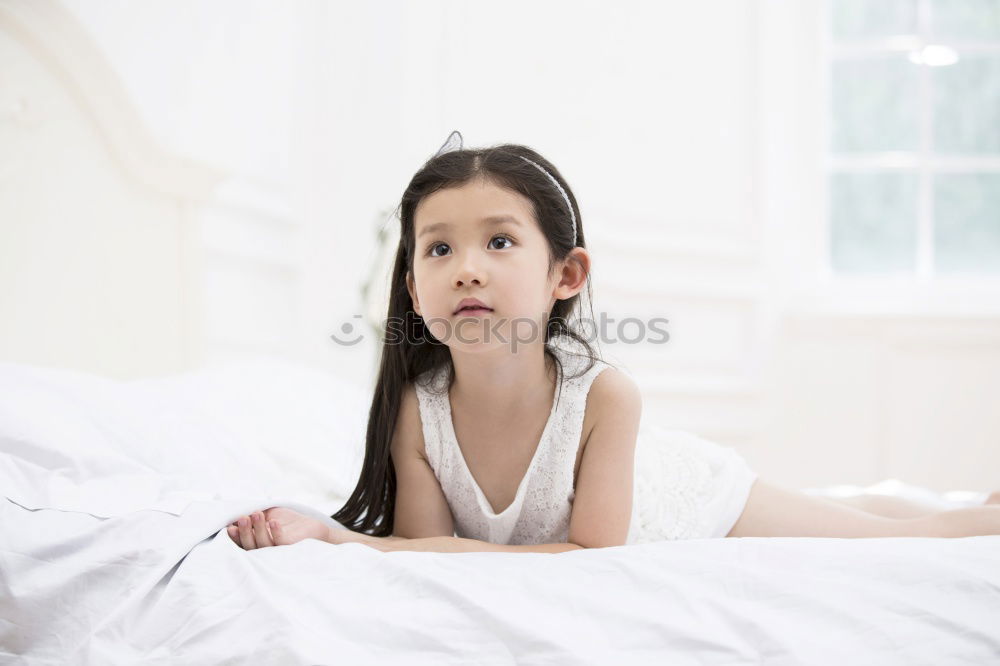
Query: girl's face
x,y
482,241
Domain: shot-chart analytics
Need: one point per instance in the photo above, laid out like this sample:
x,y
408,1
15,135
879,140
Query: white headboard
x,y
98,269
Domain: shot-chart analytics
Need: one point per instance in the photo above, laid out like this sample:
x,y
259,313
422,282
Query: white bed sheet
x,y
95,571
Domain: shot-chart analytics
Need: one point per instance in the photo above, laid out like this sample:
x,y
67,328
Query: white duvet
x,y
112,551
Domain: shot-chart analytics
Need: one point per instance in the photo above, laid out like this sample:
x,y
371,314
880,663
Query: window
x,y
914,138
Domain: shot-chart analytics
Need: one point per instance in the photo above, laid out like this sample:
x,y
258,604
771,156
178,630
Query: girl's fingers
x,y
246,534
234,533
275,531
261,536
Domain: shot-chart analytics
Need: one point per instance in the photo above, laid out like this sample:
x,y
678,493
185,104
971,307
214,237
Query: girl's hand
x,y
276,526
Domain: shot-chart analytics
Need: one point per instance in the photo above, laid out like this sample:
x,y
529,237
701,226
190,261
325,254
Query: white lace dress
x,y
685,486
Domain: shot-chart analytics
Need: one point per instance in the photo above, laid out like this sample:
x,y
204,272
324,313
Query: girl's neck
x,y
501,380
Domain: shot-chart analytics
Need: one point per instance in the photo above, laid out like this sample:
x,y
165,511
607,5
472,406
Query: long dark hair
x,y
371,507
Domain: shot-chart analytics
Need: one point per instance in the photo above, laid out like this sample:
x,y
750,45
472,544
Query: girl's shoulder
x,y
613,387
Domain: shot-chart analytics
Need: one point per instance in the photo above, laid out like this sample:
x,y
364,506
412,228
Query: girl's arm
x,y
421,509
602,508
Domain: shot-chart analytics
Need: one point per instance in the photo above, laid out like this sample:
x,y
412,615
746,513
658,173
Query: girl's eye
x,y
430,250
506,238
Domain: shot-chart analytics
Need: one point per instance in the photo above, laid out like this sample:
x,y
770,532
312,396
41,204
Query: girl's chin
x,y
474,345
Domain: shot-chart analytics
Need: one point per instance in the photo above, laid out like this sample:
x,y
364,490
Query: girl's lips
x,y
473,312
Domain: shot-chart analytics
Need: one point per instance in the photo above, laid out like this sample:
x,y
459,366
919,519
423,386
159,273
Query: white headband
x,y
555,182
454,142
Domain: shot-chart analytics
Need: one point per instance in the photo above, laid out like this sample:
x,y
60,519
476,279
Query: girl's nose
x,y
467,277
469,270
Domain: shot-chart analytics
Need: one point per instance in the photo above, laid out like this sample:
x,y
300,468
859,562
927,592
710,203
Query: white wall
x,y
692,134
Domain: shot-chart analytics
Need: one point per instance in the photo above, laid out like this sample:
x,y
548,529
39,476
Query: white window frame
x,y
923,292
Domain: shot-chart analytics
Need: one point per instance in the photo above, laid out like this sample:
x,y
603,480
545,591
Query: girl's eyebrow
x,y
489,219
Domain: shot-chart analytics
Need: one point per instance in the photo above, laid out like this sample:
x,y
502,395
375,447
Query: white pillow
x,y
260,428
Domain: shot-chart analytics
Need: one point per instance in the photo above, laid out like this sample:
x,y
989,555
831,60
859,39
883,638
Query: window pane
x,y
965,20
873,222
865,19
967,223
967,106
874,105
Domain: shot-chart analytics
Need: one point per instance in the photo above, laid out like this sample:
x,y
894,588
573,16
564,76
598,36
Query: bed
x,y
120,468
113,551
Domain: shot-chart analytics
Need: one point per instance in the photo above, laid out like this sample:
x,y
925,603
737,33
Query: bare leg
x,y
772,511
970,521
887,505
898,507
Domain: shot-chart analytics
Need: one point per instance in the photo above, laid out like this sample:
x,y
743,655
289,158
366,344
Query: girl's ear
x,y
573,272
410,287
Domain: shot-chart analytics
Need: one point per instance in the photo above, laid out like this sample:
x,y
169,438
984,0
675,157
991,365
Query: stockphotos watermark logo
x,y
414,329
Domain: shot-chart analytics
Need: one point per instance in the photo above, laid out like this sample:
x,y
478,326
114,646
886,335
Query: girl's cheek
x,y
438,329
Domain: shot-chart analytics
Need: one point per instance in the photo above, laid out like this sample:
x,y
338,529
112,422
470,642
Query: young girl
x,y
496,427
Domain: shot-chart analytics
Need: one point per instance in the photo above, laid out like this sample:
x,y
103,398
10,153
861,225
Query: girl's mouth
x,y
473,312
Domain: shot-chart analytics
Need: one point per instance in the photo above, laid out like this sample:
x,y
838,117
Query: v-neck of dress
x,y
484,502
